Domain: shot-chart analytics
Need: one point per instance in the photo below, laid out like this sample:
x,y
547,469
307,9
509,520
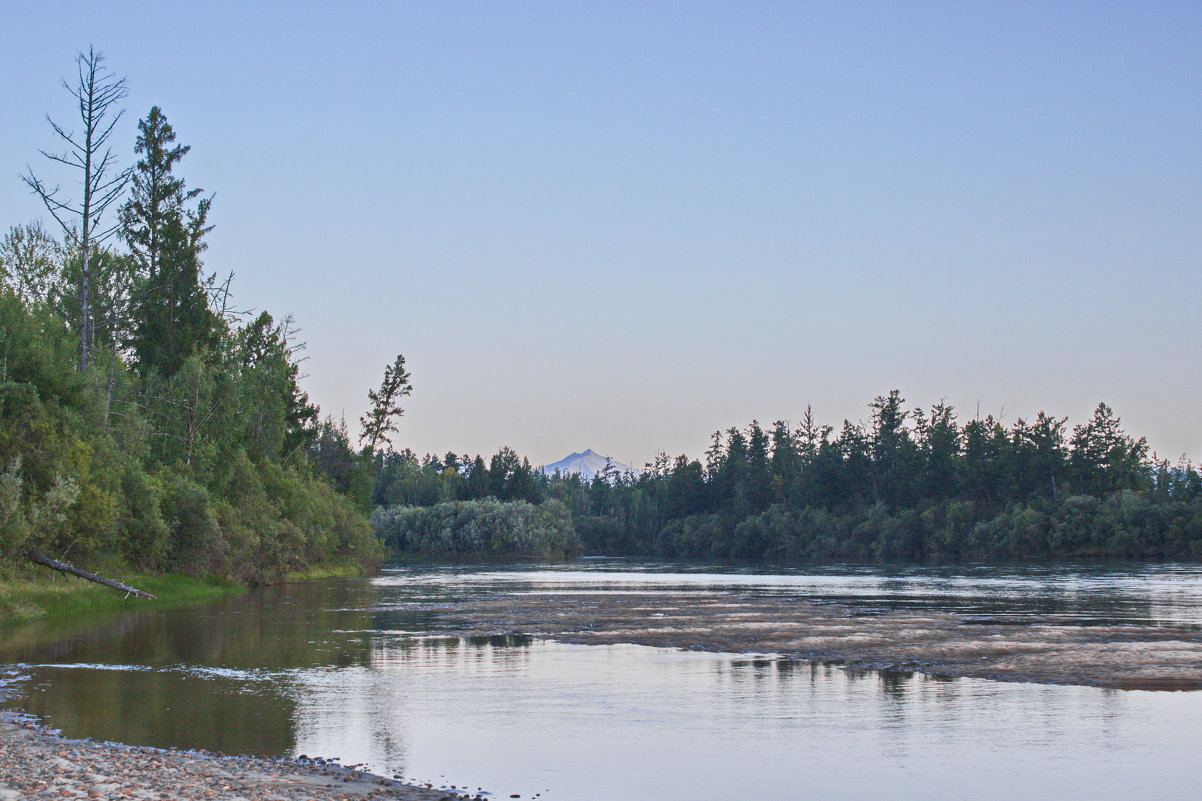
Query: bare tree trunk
x,y
83,308
85,322
97,92
63,567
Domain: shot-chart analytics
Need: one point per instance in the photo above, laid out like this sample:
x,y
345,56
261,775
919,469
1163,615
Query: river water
x,y
349,669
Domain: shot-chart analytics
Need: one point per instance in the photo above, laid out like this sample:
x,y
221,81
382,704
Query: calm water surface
x,y
344,668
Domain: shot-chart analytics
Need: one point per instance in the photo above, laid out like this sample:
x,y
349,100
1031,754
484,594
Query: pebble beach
x,y
37,763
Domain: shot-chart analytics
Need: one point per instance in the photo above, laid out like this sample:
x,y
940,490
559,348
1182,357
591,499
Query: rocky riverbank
x,y
36,763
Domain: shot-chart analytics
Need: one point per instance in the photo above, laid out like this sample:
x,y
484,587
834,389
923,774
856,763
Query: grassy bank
x,y
331,570
28,594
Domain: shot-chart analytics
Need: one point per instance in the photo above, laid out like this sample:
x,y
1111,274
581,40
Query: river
x,y
384,672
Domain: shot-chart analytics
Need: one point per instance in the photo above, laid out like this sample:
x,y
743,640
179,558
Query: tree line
x,y
144,418
907,484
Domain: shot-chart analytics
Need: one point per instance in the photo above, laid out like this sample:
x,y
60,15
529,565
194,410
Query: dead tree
x,y
63,567
97,91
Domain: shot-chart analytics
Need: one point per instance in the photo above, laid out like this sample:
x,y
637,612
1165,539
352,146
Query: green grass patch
x,y
26,594
330,570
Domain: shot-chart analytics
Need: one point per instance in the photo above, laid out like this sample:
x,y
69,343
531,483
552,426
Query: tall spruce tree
x,y
164,224
157,194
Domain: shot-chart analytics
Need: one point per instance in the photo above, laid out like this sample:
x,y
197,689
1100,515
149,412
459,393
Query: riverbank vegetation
x,y
908,484
25,595
144,420
482,526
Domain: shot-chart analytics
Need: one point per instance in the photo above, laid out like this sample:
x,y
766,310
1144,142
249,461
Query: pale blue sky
x,y
621,226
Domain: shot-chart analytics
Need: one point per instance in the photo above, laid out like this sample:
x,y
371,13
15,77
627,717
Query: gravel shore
x,y
36,763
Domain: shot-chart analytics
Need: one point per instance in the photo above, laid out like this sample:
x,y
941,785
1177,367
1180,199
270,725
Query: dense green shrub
x,y
601,535
484,526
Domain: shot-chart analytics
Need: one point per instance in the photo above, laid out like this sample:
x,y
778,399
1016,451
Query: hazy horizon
x,y
621,227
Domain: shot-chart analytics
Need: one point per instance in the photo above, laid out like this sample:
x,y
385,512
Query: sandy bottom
x,y
1042,649
35,764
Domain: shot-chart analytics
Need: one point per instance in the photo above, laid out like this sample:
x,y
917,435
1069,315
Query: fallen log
x,y
63,567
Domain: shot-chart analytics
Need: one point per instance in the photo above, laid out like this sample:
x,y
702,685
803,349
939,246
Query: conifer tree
x,y
164,224
379,421
157,194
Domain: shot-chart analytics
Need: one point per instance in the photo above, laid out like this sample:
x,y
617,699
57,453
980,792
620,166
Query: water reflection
x,y
274,628
1104,592
347,669
165,708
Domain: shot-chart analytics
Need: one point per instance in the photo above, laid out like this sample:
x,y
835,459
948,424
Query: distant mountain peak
x,y
587,464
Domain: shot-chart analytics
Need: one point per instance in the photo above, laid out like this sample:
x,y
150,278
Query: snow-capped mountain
x,y
587,464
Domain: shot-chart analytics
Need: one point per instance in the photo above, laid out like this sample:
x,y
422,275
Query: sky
x,y
622,226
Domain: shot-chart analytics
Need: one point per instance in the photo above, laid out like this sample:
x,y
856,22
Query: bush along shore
x,y
485,526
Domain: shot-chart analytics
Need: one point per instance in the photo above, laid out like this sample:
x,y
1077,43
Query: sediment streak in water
x,y
1044,649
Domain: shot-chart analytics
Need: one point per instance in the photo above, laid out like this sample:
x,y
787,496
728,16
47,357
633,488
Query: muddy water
x,y
431,673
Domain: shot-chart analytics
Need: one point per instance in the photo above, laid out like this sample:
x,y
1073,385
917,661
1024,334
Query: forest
x,y
144,420
908,484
